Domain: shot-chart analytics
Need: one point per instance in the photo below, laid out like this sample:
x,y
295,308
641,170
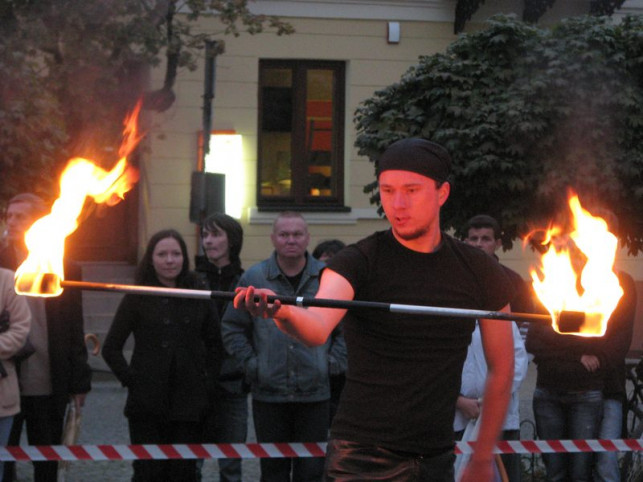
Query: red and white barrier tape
x,y
558,446
150,452
279,450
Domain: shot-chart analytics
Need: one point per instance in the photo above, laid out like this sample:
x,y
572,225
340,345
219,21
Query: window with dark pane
x,y
301,135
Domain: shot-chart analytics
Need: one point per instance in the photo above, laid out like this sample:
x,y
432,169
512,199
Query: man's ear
x,y
443,192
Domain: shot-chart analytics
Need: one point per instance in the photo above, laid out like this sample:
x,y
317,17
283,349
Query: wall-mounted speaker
x,y
207,195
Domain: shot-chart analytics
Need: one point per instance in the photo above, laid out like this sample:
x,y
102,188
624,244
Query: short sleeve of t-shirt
x,y
352,264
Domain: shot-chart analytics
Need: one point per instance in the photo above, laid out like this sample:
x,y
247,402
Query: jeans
x,y
5,430
607,469
291,422
563,416
354,462
231,426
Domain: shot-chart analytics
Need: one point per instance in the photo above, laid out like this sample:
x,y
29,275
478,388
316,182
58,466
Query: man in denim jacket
x,y
289,381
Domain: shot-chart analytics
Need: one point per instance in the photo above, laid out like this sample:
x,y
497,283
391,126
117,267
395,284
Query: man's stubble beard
x,y
412,236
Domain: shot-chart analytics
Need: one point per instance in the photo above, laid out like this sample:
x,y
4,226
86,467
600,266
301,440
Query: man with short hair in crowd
x,y
483,231
289,381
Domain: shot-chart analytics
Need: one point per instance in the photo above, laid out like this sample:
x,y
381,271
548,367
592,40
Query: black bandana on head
x,y
416,155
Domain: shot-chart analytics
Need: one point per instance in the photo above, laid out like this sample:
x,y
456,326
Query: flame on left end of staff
x,y
39,284
42,271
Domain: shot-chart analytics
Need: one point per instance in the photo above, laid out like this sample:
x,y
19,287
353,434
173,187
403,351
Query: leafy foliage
x,y
71,69
526,113
464,10
604,7
532,10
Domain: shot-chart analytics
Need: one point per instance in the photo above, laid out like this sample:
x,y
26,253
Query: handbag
x,y
71,430
25,352
471,434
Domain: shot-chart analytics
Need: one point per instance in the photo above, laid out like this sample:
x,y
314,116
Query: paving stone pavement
x,y
103,422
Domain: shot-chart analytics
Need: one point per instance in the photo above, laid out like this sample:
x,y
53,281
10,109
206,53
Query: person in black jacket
x,y
175,362
568,398
58,370
222,239
618,338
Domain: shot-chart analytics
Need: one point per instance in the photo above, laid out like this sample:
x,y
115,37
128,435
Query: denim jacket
x,y
279,368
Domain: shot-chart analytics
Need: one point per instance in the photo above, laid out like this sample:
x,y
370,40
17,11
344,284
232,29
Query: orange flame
x,y
40,274
556,280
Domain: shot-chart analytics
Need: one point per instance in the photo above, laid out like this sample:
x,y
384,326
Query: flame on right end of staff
x,y
577,272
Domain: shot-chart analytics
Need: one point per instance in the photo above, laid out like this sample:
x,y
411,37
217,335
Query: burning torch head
x,y
570,321
39,284
576,273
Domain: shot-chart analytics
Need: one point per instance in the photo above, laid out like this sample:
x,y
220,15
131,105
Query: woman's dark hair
x,y
222,222
330,247
145,273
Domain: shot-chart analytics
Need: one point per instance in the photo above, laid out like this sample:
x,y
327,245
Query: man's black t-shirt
x,y
404,370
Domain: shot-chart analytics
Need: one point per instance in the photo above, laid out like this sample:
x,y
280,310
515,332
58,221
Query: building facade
x,y
282,119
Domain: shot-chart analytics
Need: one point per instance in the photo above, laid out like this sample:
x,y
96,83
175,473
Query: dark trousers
x,y
291,422
156,430
44,427
230,426
512,461
337,383
353,462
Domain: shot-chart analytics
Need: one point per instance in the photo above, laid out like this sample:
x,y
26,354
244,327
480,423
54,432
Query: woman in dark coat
x,y
175,362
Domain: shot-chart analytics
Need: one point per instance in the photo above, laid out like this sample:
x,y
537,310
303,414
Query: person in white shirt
x,y
474,374
484,232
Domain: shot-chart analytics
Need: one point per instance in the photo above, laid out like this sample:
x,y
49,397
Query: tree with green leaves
x,y
532,9
527,114
71,69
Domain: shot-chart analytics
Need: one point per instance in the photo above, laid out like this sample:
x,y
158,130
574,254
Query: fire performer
x,y
58,370
395,419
